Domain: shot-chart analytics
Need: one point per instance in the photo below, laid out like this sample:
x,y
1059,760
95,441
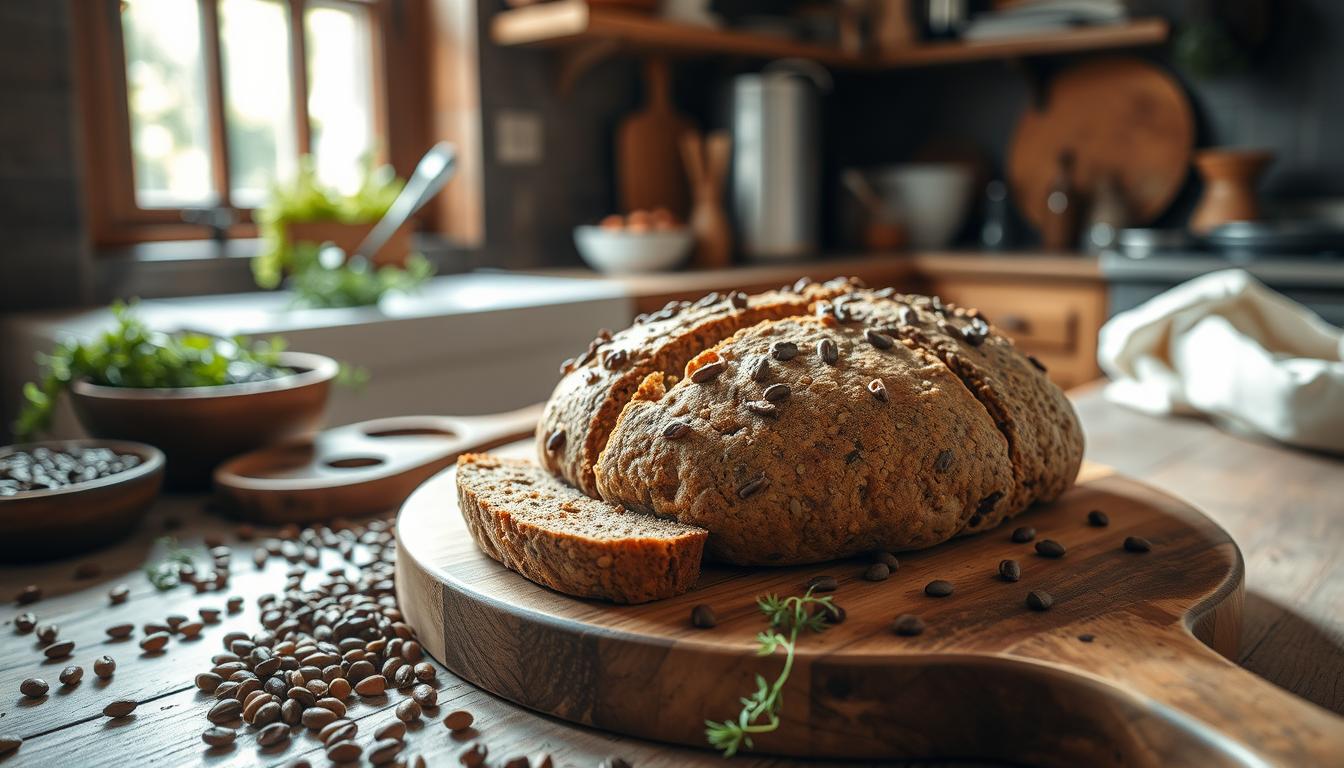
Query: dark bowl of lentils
x,y
62,497
199,427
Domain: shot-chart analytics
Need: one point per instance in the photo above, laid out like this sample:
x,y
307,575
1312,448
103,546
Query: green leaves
x,y
355,283
166,573
315,285
130,354
787,617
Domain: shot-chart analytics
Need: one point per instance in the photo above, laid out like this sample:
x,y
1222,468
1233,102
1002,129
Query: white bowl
x,y
618,252
933,199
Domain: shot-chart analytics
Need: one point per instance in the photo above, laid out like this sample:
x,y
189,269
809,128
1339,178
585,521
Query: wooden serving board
x,y
988,679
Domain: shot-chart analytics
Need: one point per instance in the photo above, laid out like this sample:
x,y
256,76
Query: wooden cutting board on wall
x,y
1118,116
1126,669
649,167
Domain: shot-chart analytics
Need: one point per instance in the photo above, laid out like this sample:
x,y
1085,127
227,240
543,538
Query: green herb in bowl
x,y
132,355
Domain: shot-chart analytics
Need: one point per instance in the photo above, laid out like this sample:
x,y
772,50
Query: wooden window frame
x,y
114,216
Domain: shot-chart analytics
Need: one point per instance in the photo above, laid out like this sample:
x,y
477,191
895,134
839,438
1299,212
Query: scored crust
x,y
1045,439
906,421
550,533
831,469
595,387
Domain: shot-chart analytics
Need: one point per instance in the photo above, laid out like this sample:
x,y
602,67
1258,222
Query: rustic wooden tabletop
x,y
1282,506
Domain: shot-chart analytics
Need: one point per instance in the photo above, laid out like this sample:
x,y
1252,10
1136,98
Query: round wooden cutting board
x,y
1118,116
1123,670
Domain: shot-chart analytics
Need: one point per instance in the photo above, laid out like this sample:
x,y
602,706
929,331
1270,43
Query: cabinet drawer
x,y
1038,319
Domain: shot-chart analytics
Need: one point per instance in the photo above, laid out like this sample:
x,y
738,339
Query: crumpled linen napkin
x,y
1227,346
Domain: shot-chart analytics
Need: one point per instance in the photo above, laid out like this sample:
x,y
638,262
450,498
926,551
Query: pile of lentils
x,y
43,469
321,649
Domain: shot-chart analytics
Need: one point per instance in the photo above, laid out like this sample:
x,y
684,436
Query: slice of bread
x,y
551,533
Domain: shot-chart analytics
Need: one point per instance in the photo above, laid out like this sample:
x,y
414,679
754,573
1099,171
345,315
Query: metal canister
x,y
776,160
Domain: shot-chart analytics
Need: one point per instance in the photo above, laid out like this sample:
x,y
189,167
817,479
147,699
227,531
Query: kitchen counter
x,y
874,268
1282,506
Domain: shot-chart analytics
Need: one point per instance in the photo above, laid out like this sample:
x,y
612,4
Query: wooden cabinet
x,y
1057,321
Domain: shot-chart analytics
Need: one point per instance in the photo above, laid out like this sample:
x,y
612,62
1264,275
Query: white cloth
x,y
1227,346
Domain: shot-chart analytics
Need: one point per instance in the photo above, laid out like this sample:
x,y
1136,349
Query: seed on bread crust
x,y
762,407
879,339
676,429
828,352
879,390
751,487
708,372
556,441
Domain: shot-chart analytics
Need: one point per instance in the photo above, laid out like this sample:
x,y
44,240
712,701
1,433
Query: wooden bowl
x,y
199,427
40,525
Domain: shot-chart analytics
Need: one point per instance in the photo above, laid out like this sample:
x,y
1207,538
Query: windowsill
x,y
181,268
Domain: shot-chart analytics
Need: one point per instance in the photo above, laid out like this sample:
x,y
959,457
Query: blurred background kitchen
x,y
1052,162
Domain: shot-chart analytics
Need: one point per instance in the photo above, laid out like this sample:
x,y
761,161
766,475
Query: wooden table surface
x,y
1285,508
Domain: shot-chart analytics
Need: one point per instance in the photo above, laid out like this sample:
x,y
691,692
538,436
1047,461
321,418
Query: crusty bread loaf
x,y
801,460
549,532
595,386
1044,438
799,425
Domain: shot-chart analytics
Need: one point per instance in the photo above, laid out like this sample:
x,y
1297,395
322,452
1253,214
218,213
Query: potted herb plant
x,y
304,217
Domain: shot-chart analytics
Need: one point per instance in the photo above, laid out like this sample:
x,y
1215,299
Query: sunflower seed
x,y
708,372
783,351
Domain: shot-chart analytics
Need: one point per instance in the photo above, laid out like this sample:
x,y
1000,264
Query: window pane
x,y
170,140
254,41
340,91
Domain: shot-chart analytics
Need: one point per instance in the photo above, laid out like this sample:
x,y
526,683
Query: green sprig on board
x,y
787,617
130,354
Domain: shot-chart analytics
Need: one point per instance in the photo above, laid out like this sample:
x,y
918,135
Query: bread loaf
x,y
813,457
799,425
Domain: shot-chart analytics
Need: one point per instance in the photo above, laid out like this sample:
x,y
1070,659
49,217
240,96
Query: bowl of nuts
x,y
63,497
642,241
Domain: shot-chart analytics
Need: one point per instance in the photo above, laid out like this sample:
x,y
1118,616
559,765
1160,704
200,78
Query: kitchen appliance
x,y
1304,260
1117,675
776,126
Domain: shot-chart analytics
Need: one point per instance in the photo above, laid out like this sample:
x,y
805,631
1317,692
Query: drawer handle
x,y
1014,323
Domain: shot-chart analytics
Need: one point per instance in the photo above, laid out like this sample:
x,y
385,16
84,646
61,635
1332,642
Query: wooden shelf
x,y
572,23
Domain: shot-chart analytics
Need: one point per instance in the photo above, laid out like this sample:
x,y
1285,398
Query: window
x,y
194,105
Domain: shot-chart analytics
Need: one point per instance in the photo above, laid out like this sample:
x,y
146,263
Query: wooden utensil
x,y
1116,115
648,162
358,469
1124,669
38,525
707,167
